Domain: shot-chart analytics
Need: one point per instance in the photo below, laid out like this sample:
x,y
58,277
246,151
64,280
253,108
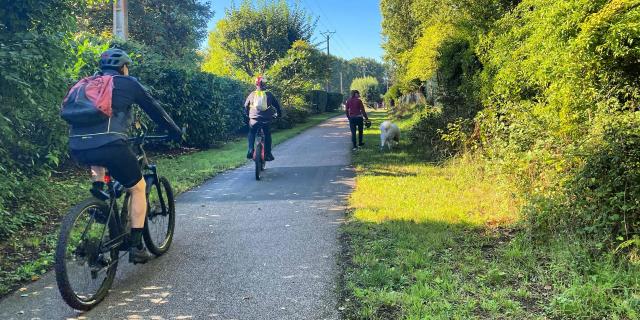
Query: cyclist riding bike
x,y
261,107
104,145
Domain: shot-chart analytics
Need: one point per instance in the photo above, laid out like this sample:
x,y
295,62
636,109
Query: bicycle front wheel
x,y
85,261
161,217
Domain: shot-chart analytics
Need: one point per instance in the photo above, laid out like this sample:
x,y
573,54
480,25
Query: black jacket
x,y
126,92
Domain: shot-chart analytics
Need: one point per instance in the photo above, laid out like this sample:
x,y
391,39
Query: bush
x,y
292,115
317,100
209,106
424,132
34,138
334,101
393,94
562,118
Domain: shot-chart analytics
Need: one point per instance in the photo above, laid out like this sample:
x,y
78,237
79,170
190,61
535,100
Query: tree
x,y
254,37
299,72
171,28
367,67
368,88
354,68
218,60
399,28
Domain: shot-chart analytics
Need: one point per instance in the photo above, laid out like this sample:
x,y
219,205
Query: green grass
x,y
27,255
441,241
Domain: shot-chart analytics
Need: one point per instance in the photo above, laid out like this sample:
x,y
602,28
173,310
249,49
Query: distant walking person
x,y
356,115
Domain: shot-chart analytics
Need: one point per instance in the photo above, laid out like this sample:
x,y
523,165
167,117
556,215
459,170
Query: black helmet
x,y
114,59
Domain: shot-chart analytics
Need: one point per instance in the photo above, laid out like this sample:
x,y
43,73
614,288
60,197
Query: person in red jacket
x,y
356,115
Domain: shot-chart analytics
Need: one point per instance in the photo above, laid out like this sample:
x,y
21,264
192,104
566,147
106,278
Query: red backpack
x,y
88,102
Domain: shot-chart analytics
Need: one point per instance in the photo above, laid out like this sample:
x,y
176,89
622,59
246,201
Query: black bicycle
x,y
259,154
95,234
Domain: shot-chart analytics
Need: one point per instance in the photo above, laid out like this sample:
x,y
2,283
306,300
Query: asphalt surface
x,y
243,249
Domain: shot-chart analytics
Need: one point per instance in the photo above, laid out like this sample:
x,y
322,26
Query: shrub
x,y
33,137
209,106
334,101
292,115
563,120
317,100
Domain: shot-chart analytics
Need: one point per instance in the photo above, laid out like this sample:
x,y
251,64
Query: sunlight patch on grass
x,y
396,186
421,244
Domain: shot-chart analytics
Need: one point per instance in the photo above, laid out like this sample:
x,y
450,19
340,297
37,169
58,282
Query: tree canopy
x,y
368,88
252,37
171,28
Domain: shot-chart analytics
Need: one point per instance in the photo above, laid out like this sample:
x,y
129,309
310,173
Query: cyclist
x,y
261,107
355,112
104,145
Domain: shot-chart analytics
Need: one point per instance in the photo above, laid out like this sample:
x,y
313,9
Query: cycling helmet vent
x,y
114,59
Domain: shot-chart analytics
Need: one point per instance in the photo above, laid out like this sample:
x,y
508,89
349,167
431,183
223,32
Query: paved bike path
x,y
243,249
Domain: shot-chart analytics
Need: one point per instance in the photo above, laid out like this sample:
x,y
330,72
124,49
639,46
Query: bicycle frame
x,y
116,190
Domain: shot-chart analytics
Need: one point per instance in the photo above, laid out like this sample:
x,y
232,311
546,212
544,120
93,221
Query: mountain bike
x,y
95,234
259,153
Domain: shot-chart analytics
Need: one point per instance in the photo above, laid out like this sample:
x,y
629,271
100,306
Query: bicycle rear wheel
x,y
258,160
85,267
161,217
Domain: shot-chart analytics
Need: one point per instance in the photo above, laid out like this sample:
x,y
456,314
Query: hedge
x,y
317,100
334,100
34,138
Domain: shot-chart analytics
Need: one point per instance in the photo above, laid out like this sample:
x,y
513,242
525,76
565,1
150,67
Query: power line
x,y
328,24
328,35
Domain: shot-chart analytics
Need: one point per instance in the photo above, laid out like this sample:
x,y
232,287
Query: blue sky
x,y
356,22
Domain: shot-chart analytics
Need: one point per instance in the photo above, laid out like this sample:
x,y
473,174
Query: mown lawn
x,y
441,241
29,254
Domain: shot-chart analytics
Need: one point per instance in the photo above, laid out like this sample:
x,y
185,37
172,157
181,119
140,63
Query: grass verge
x,y
29,254
441,241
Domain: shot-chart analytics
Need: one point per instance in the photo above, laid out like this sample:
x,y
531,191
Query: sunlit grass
x,y
422,243
397,186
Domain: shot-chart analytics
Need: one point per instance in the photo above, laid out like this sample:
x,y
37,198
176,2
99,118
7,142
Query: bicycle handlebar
x,y
143,137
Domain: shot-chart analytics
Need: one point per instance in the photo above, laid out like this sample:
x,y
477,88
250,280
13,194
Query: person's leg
x,y
138,212
360,125
123,167
352,127
266,128
97,187
97,173
253,128
138,204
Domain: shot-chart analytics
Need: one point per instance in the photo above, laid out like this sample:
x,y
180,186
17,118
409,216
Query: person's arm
x,y
247,105
346,109
364,112
152,108
276,104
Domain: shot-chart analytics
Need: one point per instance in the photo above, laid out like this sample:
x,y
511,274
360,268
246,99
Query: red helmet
x,y
259,81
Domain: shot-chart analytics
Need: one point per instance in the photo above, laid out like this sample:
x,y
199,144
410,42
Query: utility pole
x,y
120,19
341,88
328,35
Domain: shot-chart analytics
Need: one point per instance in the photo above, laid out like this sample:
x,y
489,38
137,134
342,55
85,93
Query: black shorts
x,y
117,157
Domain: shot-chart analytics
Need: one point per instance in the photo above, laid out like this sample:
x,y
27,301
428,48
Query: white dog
x,y
389,135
